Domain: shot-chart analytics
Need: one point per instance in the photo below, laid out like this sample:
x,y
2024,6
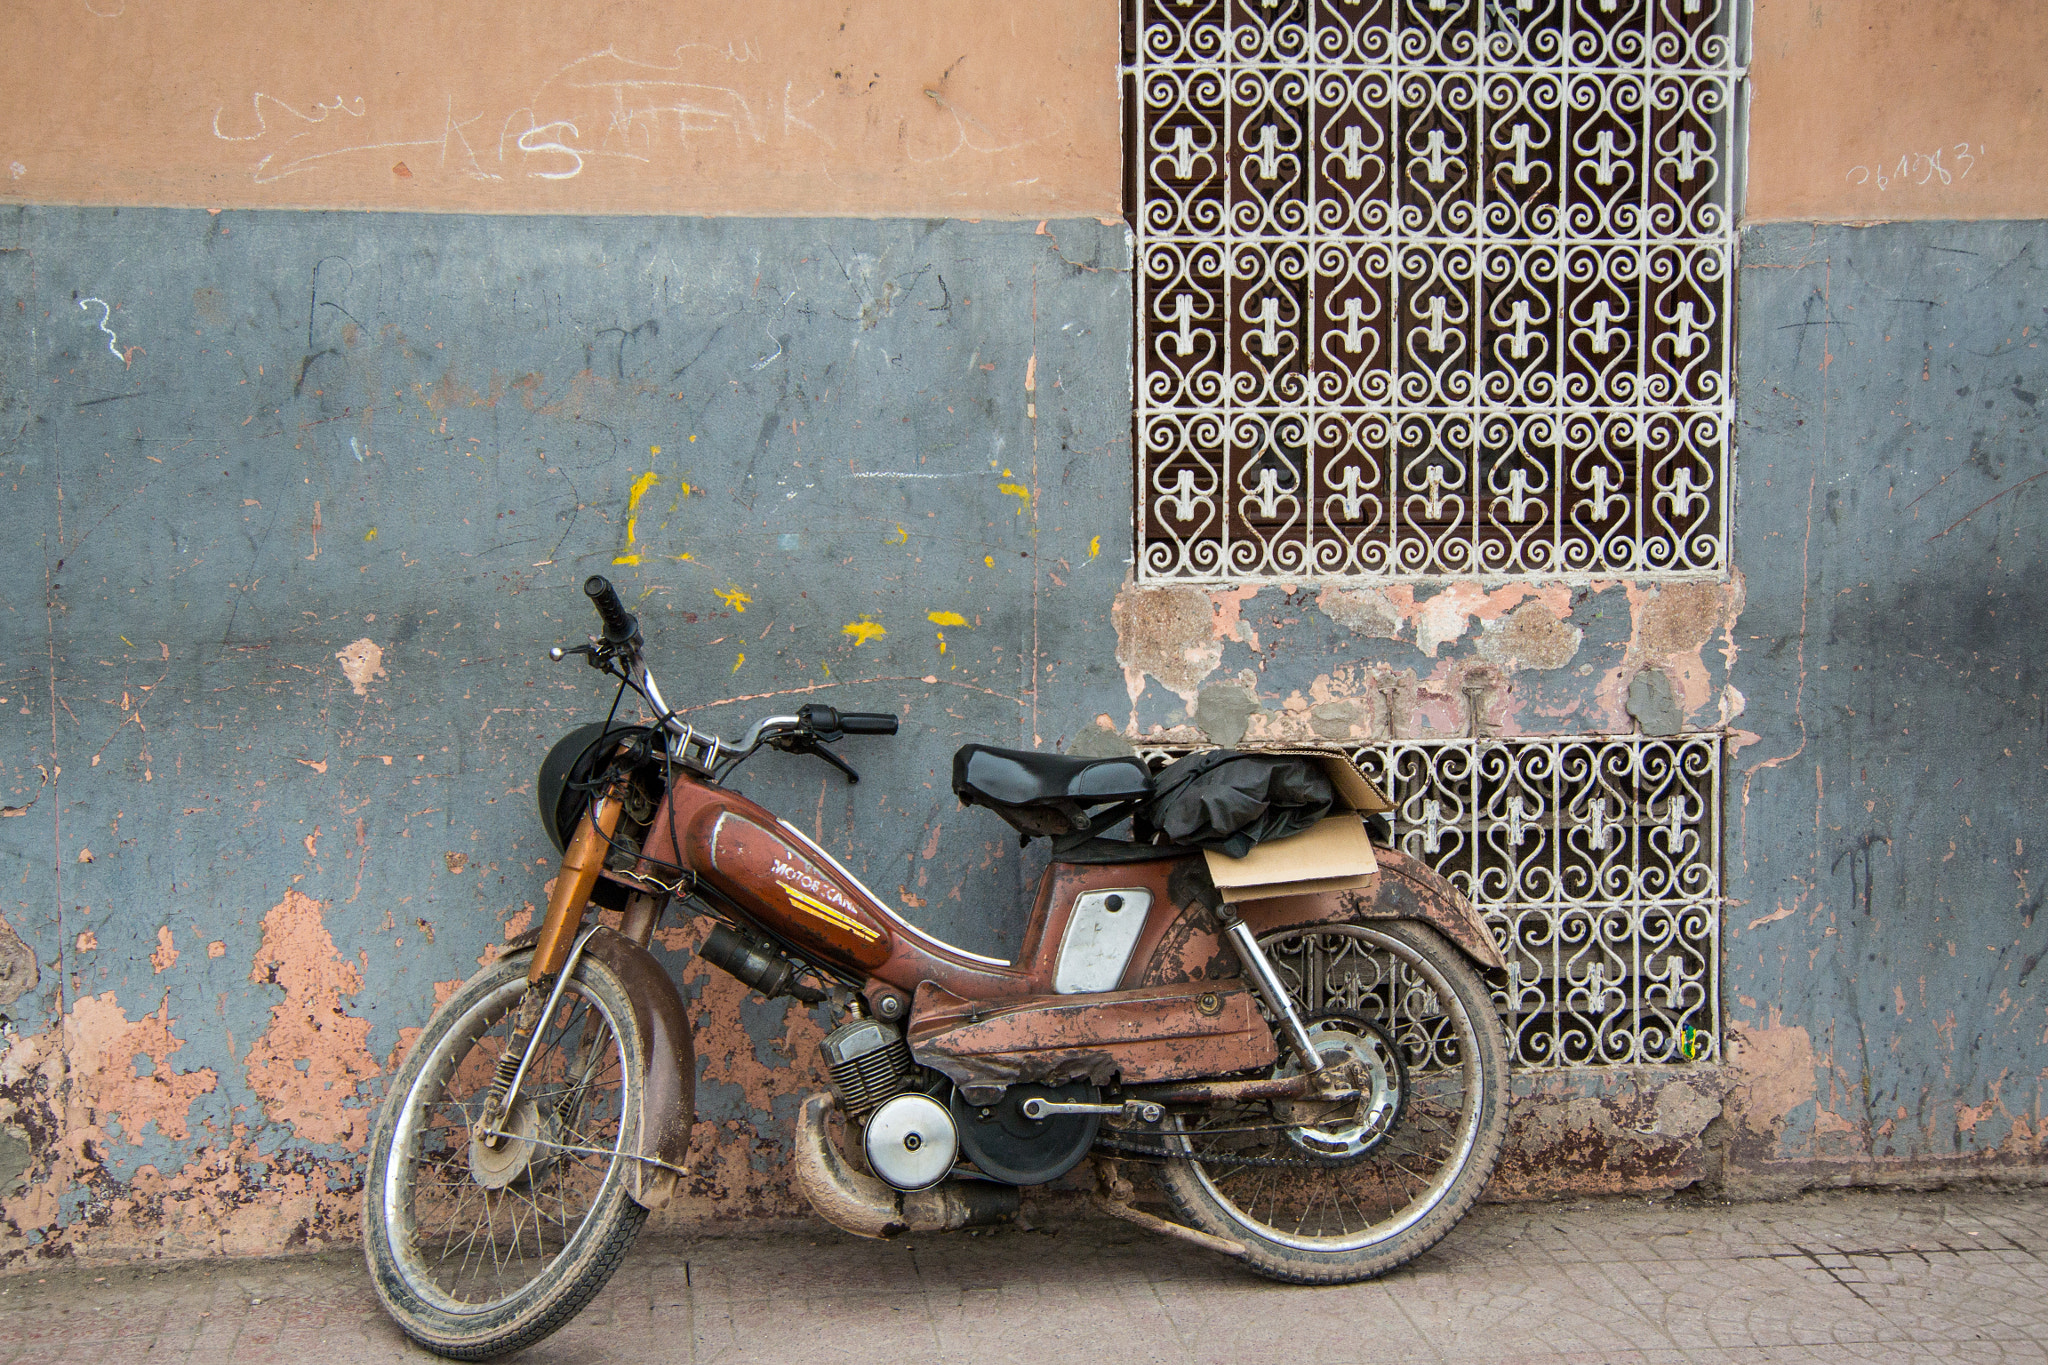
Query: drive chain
x,y
1157,1154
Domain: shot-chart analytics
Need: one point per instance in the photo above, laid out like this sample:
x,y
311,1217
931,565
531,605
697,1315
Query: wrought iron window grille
x,y
1596,862
1432,288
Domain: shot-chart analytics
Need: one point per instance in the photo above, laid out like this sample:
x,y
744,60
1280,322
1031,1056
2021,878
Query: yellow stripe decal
x,y
837,918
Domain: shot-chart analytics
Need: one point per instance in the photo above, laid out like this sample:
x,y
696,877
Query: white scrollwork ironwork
x,y
1596,862
1433,288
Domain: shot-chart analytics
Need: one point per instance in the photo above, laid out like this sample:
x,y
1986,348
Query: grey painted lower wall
x,y
295,502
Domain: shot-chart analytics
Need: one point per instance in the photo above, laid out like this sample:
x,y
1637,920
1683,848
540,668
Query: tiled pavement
x,y
1826,1278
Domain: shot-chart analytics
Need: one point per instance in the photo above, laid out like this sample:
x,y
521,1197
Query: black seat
x,y
1026,777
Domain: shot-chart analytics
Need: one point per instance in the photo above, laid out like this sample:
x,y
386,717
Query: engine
x,y
909,1138
869,1062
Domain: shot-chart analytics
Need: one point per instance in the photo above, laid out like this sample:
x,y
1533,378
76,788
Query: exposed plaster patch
x,y
1443,618
1224,711
18,969
362,663
1669,628
1365,611
739,1164
1169,633
1530,636
1775,1068
1229,622
309,1028
1100,740
1634,1129
1339,719
107,1092
1654,703
166,955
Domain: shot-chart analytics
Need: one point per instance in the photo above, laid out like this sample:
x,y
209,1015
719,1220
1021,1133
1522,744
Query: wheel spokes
x,y
471,1243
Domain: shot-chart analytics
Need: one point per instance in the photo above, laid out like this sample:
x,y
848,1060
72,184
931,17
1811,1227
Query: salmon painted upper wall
x,y
875,108
1862,109
1898,109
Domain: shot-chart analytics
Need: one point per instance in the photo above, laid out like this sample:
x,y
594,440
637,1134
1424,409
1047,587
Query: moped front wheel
x,y
1327,1193
479,1245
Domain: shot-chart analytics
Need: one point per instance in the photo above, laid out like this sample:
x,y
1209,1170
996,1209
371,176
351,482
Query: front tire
x,y
1320,1202
475,1251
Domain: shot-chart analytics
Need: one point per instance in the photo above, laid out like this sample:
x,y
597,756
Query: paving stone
x,y
1820,1280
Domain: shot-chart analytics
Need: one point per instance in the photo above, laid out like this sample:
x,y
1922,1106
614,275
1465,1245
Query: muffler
x,y
867,1207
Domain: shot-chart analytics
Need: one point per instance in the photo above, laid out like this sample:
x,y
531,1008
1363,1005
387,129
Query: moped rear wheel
x,y
1325,1194
478,1249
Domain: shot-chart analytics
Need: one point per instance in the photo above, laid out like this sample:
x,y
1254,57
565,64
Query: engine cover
x,y
911,1142
1020,1151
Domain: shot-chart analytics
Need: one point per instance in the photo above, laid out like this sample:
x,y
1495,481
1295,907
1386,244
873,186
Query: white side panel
x,y
1101,934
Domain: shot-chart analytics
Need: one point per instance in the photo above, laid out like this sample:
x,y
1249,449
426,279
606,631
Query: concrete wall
x,y
295,500
288,534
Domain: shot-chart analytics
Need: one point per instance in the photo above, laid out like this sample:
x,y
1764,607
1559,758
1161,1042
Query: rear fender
x,y
1405,888
669,1089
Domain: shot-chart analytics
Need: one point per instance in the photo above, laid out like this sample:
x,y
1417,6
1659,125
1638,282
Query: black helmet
x,y
574,760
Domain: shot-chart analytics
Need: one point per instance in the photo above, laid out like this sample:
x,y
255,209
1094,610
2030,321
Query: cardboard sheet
x,y
1335,855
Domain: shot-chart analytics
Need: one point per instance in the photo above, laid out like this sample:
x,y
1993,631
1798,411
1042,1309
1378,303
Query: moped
x,y
1314,1084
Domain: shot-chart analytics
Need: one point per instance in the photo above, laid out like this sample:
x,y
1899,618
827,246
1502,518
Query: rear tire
x,y
476,1253
1312,1221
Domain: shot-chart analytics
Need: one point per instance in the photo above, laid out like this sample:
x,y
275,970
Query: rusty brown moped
x,y
1313,1083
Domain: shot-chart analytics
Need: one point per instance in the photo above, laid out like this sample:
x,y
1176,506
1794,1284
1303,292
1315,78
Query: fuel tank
x,y
762,870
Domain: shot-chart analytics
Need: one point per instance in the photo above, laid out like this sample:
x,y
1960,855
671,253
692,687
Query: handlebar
x,y
803,733
620,626
830,724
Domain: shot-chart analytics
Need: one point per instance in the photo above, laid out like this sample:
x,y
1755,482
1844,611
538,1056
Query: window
x,y
1596,862
1432,288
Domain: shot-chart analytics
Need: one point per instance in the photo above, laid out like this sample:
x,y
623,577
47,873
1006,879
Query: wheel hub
x,y
1342,1131
520,1152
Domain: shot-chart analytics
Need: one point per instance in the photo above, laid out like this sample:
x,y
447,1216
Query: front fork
x,y
555,952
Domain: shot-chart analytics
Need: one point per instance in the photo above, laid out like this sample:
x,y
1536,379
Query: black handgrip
x,y
866,723
620,627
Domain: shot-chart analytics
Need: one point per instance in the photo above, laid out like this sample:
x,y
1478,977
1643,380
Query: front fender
x,y
1404,888
668,1093
668,1103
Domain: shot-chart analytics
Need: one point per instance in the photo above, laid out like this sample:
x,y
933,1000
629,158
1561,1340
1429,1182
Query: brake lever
x,y
808,744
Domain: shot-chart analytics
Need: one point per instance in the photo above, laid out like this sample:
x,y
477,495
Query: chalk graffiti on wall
x,y
604,105
1918,168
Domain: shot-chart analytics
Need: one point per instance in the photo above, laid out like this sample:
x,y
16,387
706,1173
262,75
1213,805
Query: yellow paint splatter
x,y
693,439
654,450
128,642
863,630
737,662
733,596
640,487
684,555
1017,491
989,560
946,618
942,642
370,534
1094,546
902,537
